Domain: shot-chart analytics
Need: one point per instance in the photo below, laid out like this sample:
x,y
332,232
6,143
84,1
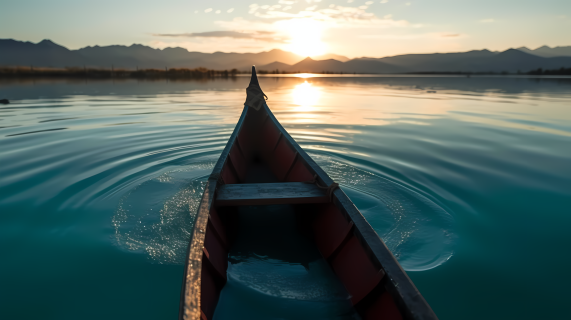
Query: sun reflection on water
x,y
305,96
305,75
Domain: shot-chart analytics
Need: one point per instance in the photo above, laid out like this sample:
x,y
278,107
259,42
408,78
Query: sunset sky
x,y
354,28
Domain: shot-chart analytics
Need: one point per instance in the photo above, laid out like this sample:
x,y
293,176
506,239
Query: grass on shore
x,y
20,71
197,73
114,73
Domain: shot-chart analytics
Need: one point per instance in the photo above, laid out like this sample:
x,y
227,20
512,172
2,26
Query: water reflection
x,y
419,232
306,96
480,169
305,75
155,218
274,270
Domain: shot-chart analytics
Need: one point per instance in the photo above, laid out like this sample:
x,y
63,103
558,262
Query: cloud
x,y
255,35
446,35
331,17
486,20
281,26
431,36
269,25
209,34
214,44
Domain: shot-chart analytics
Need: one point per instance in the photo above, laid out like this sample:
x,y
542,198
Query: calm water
x,y
468,181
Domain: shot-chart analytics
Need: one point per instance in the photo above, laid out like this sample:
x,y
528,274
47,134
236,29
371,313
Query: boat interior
x,y
278,242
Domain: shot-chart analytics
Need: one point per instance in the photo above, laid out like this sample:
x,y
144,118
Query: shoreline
x,y
204,73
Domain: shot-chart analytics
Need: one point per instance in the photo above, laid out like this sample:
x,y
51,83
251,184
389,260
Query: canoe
x,y
263,166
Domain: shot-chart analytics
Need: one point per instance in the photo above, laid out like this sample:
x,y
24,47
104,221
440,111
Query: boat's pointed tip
x,y
254,79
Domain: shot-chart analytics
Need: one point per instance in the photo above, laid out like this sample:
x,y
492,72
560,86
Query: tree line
x,y
115,73
555,72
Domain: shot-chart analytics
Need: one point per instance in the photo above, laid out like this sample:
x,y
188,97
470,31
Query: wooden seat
x,y
269,193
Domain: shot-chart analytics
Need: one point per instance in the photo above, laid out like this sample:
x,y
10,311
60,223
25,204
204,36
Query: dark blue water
x,y
467,180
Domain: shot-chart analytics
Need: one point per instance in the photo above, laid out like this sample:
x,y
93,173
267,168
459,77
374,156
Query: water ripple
x,y
119,186
156,217
419,232
38,131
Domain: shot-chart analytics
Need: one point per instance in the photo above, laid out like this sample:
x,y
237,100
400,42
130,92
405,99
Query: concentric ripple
x,y
156,217
419,232
99,182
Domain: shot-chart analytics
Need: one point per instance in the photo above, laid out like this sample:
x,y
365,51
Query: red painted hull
x,y
378,286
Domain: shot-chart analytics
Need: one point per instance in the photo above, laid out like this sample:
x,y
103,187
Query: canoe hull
x,y
378,286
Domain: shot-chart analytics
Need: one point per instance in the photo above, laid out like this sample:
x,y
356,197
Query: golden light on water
x,y
306,96
306,75
305,36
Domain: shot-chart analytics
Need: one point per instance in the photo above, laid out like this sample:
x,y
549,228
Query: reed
x,y
553,72
78,72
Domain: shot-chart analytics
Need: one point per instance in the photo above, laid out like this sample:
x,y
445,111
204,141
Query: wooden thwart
x,y
269,193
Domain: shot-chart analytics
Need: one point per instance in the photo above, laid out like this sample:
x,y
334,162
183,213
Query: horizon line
x,y
274,49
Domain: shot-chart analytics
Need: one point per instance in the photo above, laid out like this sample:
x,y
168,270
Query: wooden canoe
x,y
262,165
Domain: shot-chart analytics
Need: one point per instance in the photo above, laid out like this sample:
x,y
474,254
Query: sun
x,y
305,37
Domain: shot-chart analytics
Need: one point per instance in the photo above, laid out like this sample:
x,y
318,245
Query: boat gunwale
x,y
408,299
189,307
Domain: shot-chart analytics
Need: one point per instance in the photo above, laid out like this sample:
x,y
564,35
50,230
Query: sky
x,y
353,28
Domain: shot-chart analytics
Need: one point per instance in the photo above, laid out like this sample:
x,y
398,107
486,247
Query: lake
x,y
467,180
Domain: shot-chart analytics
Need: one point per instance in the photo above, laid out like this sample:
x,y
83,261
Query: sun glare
x,y
305,37
305,95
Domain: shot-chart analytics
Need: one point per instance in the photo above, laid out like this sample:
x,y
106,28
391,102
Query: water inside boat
x,y
276,272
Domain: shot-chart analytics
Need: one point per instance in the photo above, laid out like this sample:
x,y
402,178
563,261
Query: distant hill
x,y
44,53
548,52
331,56
276,65
375,66
513,60
444,62
352,66
310,65
49,54
510,61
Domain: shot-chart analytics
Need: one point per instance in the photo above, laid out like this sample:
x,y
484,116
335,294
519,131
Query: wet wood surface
x,y
269,193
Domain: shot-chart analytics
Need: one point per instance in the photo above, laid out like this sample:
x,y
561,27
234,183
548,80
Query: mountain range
x,y
49,54
548,52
